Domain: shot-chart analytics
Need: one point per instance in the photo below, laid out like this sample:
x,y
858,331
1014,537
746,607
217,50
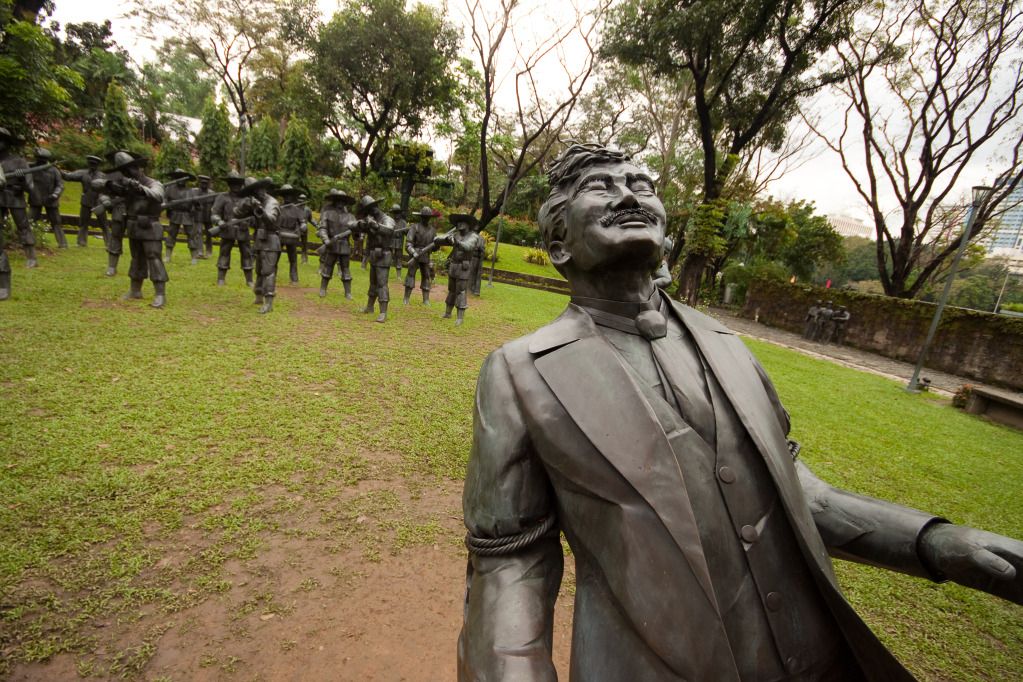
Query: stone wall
x,y
968,343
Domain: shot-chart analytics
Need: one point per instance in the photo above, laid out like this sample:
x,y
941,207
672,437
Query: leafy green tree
x,y
172,154
36,89
118,129
263,146
369,93
89,50
182,78
297,153
214,140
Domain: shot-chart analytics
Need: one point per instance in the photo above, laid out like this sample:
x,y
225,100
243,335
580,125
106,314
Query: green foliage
x,y
297,153
70,146
90,51
516,231
214,140
370,94
36,89
741,275
264,142
703,233
815,241
859,262
118,129
410,157
183,79
536,256
172,154
1013,307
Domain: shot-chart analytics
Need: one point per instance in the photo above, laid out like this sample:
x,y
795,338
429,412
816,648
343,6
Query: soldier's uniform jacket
x,y
223,211
399,237
180,215
462,254
143,209
379,238
292,220
334,221
266,237
87,176
45,184
202,211
114,204
420,236
13,193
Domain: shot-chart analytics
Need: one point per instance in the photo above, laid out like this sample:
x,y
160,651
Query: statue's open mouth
x,y
629,217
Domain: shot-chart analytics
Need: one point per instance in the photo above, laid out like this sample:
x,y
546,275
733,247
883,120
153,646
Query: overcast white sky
x,y
821,179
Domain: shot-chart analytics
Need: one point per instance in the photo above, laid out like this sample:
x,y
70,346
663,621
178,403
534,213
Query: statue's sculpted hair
x,y
561,174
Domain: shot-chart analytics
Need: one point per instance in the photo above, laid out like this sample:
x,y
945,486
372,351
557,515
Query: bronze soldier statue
x,y
822,322
143,200
292,222
379,231
258,204
476,264
202,215
465,243
180,216
838,321
810,321
419,246
12,196
232,231
116,226
90,197
335,230
398,247
47,186
5,266
651,437
307,221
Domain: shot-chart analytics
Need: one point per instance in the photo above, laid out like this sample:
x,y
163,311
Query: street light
x,y
980,194
500,223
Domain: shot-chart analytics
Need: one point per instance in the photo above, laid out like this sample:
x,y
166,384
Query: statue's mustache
x,y
612,218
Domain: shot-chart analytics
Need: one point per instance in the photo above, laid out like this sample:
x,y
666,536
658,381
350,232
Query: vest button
x,y
773,601
749,534
726,475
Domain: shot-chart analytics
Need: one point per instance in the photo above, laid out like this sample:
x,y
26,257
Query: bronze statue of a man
x,y
47,186
379,230
116,227
181,215
419,246
648,434
292,221
143,200
231,230
335,231
202,214
90,196
465,244
265,212
307,222
398,245
12,195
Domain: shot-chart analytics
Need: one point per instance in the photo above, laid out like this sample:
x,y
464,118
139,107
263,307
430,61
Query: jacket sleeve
x,y
507,632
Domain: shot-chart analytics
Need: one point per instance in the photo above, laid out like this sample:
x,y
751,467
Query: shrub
x,y
516,231
536,256
741,275
962,396
71,146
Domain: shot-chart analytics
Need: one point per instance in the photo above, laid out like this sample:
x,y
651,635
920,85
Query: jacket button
x,y
773,601
791,664
749,534
726,475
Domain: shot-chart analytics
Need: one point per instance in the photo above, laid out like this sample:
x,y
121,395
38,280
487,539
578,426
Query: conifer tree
x,y
297,155
118,129
263,146
214,140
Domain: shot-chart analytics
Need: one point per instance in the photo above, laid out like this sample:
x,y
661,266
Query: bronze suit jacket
x,y
562,428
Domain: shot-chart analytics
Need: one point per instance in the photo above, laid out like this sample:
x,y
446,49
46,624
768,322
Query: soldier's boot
x,y
348,288
426,297
112,259
209,245
58,233
305,258
293,272
248,278
5,286
268,305
168,254
447,312
408,294
382,317
30,257
160,299
221,276
324,281
259,300
369,304
195,257
135,290
461,317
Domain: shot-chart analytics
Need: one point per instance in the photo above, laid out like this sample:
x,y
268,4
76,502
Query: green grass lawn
x,y
124,427
510,257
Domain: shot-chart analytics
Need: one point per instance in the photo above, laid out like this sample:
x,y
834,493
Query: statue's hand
x,y
975,558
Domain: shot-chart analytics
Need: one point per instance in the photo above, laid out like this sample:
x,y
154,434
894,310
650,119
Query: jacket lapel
x,y
579,366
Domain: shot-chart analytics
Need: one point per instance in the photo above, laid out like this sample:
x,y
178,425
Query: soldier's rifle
x,y
192,200
431,247
22,172
177,181
323,247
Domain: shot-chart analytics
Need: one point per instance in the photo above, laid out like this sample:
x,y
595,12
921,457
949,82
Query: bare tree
x,y
535,124
953,94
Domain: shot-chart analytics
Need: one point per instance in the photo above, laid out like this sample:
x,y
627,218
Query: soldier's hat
x,y
232,178
92,158
122,160
252,185
426,212
43,153
203,177
455,218
287,189
365,203
395,208
340,196
181,173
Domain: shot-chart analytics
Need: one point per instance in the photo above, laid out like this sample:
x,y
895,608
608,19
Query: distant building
x,y
850,227
1006,239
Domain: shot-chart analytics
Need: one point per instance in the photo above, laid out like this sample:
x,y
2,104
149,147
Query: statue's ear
x,y
558,253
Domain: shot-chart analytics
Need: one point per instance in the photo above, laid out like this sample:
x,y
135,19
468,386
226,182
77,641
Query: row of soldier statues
x,y
825,322
127,203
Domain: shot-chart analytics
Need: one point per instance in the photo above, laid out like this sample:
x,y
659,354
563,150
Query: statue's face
x,y
134,172
204,184
613,219
463,227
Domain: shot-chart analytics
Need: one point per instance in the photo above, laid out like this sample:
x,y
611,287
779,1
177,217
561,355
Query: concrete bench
x,y
1000,406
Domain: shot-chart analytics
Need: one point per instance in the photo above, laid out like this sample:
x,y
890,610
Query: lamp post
x,y
500,223
980,194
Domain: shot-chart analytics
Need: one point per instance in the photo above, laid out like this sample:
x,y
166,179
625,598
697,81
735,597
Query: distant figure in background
x,y
116,227
90,196
12,196
307,221
464,242
810,321
5,266
398,247
202,216
232,231
379,230
181,216
335,230
420,245
476,263
265,211
47,186
824,314
292,221
838,320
